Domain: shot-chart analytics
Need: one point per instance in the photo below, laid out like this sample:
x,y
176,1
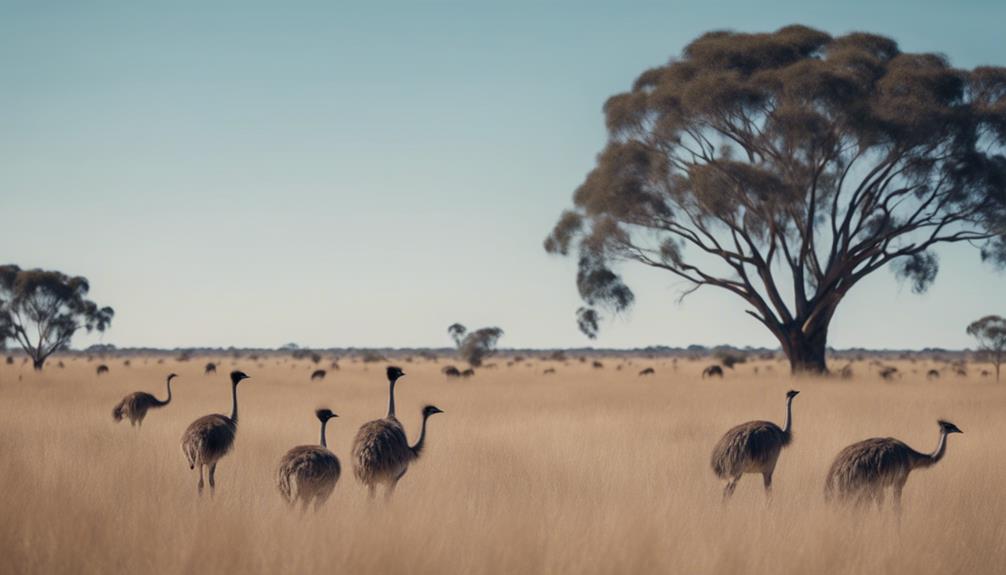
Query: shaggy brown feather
x,y
208,438
380,451
871,464
312,470
748,448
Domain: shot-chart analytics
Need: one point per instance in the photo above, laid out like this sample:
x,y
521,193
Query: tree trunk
x,y
38,363
806,351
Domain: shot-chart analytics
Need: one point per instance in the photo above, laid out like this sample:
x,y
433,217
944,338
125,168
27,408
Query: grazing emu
x,y
597,365
381,451
862,471
313,469
548,371
451,371
318,374
467,373
846,371
101,369
932,374
135,405
647,371
210,368
210,437
888,373
712,371
752,447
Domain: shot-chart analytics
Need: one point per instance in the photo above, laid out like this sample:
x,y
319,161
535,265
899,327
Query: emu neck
x,y
323,442
417,449
168,400
234,402
936,456
391,397
789,417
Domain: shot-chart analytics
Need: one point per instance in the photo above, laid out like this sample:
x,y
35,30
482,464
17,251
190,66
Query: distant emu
x,y
211,437
862,471
712,371
102,369
932,374
318,374
647,371
135,405
468,373
451,371
752,447
210,368
312,469
597,365
549,371
888,373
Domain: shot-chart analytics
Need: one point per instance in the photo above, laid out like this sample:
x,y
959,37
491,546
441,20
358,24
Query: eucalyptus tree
x,y
475,346
990,332
43,309
785,168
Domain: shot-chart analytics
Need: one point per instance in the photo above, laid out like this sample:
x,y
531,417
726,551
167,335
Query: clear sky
x,y
252,174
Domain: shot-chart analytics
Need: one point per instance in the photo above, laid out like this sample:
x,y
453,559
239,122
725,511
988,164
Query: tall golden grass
x,y
585,471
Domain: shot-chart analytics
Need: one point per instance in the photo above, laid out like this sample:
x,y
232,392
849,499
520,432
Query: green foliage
x,y
990,331
786,167
41,310
474,347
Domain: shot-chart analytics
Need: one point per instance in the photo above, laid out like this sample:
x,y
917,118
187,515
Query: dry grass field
x,y
584,471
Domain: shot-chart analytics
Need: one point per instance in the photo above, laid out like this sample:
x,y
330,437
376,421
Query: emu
x,y
318,374
211,437
136,404
647,371
313,469
932,374
712,371
597,365
888,373
102,369
468,373
548,371
381,452
451,371
210,368
862,471
752,447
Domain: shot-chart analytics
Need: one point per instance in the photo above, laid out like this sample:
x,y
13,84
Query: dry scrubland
x,y
585,471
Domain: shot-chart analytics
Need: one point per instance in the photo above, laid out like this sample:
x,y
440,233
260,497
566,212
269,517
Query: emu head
x,y
792,393
324,414
172,376
394,373
237,376
430,410
947,427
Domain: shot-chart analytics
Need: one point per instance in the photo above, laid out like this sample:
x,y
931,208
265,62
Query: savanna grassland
x,y
584,471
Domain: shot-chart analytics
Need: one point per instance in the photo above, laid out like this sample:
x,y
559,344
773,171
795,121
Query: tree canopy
x,y
43,309
475,346
784,168
990,331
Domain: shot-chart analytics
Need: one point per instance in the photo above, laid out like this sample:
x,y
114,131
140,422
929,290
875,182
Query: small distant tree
x,y
785,168
990,331
475,346
729,358
43,309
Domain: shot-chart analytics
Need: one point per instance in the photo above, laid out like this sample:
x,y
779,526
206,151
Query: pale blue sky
x,y
252,174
